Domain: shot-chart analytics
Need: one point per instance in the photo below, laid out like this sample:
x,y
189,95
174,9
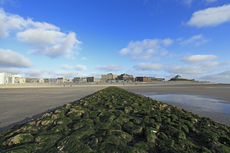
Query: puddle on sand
x,y
206,104
217,87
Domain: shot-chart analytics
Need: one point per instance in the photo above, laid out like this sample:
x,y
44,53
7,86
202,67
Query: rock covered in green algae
x,y
115,120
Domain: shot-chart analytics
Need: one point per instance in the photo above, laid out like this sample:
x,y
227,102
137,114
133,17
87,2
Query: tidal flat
x,y
116,120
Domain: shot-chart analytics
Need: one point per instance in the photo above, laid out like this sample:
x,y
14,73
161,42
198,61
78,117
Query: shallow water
x,y
217,87
203,103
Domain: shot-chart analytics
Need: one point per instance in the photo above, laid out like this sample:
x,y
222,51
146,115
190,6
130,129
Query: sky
x,y
75,38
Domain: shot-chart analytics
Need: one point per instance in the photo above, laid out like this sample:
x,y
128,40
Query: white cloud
x,y
40,37
77,67
164,53
210,17
110,67
11,70
9,58
96,74
35,73
49,43
44,73
9,22
68,74
144,50
195,40
44,37
191,70
167,42
80,67
146,57
225,63
210,64
148,66
83,58
146,45
198,58
66,67
223,77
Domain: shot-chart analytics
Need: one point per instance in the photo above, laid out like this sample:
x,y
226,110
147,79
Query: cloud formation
x,y
11,70
191,70
9,59
144,50
210,17
222,77
110,67
44,37
195,40
198,58
35,73
77,67
68,74
9,22
210,64
148,66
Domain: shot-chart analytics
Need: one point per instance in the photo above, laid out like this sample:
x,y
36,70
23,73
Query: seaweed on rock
x,y
115,120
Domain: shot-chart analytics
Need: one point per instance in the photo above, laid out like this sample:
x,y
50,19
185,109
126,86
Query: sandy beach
x,y
21,104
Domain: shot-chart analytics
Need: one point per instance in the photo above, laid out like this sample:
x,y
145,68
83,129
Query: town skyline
x,y
7,78
161,39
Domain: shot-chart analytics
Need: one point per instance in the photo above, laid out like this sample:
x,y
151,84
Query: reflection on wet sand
x,y
217,87
203,103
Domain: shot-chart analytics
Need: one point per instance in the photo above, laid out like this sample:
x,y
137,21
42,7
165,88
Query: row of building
x,y
7,78
125,77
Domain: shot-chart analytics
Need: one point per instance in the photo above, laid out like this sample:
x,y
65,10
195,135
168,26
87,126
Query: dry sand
x,y
19,105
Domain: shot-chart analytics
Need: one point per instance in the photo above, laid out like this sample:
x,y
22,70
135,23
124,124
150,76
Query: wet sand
x,y
211,91
19,105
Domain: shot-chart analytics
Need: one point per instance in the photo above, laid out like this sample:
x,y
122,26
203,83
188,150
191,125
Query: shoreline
x,y
60,85
20,106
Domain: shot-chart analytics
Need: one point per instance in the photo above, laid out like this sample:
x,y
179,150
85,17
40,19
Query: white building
x,y
15,79
4,77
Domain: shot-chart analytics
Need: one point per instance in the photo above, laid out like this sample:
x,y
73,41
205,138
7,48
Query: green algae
x,y
115,120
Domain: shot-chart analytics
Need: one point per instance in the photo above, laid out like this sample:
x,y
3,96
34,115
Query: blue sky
x,y
159,38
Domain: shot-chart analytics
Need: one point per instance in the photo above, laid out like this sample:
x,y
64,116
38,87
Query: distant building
x,y
90,79
63,80
17,78
142,79
20,80
126,77
110,76
4,77
155,79
179,78
53,80
79,79
41,80
93,79
76,79
50,80
32,80
97,79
